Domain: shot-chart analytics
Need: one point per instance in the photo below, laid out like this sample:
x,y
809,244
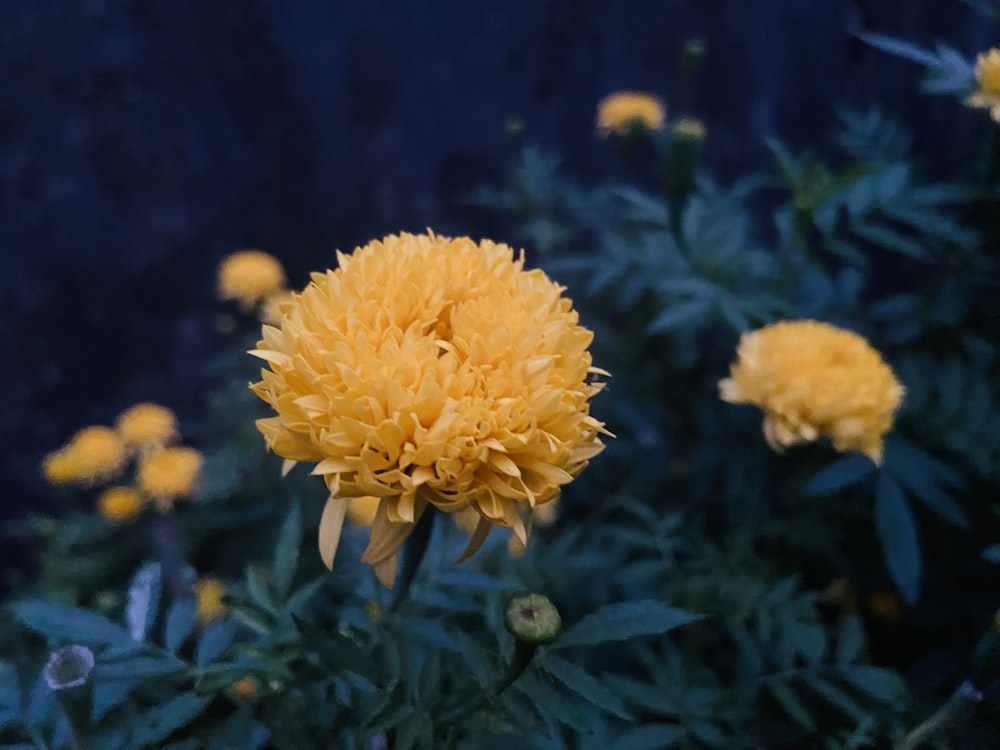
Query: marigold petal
x,y
330,526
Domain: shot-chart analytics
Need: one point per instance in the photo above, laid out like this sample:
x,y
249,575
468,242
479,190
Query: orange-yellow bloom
x,y
815,380
988,78
169,474
93,455
208,594
147,426
430,371
244,689
119,504
249,277
362,510
624,110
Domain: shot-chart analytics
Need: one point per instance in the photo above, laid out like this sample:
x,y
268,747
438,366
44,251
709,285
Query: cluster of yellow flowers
x,y
145,434
430,372
988,79
256,281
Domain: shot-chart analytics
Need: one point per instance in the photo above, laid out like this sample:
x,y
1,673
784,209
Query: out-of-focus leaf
x,y
619,622
143,600
585,685
649,736
179,623
156,724
897,532
286,554
65,623
214,642
843,472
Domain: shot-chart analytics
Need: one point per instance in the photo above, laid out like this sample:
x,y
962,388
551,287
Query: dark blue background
x,y
142,141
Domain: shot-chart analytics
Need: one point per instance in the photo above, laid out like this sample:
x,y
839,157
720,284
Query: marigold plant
x,y
988,78
249,277
618,113
430,371
815,380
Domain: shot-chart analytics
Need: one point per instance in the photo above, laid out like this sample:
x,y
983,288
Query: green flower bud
x,y
533,619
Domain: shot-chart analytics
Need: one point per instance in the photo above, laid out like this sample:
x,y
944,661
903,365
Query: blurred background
x,y
142,141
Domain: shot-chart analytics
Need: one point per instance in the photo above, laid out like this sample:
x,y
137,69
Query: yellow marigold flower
x,y
169,474
147,426
244,689
620,112
249,276
93,455
988,78
119,504
362,510
208,594
274,303
813,379
59,467
429,370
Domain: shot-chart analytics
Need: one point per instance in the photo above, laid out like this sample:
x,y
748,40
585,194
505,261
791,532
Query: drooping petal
x,y
331,523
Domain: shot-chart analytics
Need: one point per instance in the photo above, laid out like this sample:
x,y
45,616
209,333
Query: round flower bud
x,y
533,619
68,667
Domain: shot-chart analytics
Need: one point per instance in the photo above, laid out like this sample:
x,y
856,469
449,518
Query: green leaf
x,y
991,554
899,48
179,623
286,554
842,473
258,589
143,600
881,684
835,696
619,622
850,641
214,642
792,704
897,533
153,727
680,315
65,623
586,686
136,667
648,736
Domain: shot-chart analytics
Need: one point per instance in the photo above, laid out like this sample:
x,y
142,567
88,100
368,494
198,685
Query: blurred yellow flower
x,y
59,467
362,510
93,455
885,606
244,689
169,474
620,112
689,129
147,426
988,78
119,504
270,310
429,370
208,594
249,276
815,380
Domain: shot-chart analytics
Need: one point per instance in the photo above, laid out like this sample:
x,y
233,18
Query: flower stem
x,y
413,554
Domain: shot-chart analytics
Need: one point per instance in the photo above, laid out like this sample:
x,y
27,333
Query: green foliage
x,y
712,592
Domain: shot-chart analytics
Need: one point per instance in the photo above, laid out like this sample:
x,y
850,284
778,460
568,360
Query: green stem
x,y
523,654
413,554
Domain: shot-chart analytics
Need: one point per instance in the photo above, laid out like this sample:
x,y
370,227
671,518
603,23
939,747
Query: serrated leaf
x,y
179,624
619,622
842,473
286,554
897,533
258,589
65,623
586,686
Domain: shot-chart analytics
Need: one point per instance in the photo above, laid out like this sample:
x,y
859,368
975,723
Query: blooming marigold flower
x,y
93,455
249,276
119,504
169,474
813,379
147,426
620,112
430,371
988,78
208,594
